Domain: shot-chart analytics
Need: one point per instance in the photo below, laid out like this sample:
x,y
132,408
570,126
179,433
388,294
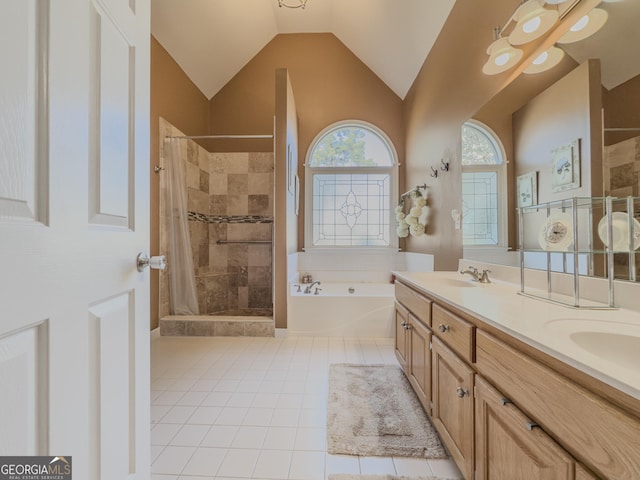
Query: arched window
x,y
483,186
350,181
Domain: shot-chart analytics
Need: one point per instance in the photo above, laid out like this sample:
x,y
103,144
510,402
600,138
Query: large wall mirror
x,y
573,131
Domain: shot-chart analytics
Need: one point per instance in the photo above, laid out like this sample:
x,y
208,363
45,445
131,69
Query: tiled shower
x,y
230,204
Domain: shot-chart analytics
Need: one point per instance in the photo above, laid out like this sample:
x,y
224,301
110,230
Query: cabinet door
x,y
402,342
509,446
419,368
453,405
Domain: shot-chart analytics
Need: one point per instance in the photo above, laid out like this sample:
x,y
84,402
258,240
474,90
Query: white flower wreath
x,y
415,221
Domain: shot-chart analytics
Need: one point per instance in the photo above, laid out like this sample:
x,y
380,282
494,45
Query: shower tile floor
x,y
251,407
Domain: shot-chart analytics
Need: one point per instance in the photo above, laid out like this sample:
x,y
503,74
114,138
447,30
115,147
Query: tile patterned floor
x,y
239,407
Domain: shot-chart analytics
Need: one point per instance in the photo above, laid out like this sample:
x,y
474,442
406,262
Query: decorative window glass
x,y
478,146
480,208
351,178
482,185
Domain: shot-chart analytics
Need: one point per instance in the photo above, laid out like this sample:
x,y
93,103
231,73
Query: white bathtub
x,y
334,312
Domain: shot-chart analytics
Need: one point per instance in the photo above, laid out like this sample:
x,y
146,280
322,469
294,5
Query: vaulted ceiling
x,y
212,40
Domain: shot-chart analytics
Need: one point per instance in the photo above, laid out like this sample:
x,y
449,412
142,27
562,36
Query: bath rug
x,y
373,411
346,476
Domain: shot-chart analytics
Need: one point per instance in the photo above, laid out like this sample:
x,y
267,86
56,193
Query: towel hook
x,y
445,165
434,172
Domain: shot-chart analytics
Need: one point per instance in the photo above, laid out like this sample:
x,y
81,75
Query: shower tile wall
x,y
230,197
233,192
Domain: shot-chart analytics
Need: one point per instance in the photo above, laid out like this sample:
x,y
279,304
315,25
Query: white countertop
x,y
600,343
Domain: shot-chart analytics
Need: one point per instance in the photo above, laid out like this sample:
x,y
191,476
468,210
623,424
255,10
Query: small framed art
x,y
527,189
565,167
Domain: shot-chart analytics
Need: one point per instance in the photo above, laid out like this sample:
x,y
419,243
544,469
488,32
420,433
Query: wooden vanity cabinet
x,y
412,348
509,446
524,419
595,431
401,321
418,369
453,411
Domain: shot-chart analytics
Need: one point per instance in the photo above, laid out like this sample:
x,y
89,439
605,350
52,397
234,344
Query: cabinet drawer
x,y
455,332
598,434
418,305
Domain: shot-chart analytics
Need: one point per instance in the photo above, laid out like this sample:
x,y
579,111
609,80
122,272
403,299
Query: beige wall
x,y
330,84
622,110
175,98
449,89
497,114
559,115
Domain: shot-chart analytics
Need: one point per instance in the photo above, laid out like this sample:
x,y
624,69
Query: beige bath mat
x,y
372,410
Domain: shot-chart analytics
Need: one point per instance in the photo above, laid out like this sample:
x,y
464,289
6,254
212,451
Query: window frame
x,y
310,171
501,170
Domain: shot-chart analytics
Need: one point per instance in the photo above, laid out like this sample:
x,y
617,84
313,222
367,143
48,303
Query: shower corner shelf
x,y
570,237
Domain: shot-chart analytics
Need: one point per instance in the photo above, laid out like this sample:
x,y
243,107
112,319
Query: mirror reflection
x,y
572,131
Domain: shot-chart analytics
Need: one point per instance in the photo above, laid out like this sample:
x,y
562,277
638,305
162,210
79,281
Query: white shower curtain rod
x,y
196,137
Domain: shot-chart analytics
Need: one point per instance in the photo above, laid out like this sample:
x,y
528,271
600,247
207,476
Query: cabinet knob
x,y
462,392
407,326
504,401
443,328
403,324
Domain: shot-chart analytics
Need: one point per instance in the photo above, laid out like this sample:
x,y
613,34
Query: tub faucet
x,y
310,286
477,276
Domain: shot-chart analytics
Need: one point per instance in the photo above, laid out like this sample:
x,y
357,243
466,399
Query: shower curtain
x,y
183,298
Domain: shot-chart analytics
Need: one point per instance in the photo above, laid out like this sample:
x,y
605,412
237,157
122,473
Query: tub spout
x,y
310,286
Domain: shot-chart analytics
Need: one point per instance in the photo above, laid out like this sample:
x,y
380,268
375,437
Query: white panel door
x,y
74,175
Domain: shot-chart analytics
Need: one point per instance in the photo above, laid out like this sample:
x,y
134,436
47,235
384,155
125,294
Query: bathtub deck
x,y
216,326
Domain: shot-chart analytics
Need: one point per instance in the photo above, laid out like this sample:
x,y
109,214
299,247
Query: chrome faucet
x,y
476,275
310,286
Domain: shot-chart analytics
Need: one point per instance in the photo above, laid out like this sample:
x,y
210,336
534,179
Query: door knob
x,y
157,263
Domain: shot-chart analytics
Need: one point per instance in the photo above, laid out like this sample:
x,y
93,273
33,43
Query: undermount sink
x,y
621,349
616,342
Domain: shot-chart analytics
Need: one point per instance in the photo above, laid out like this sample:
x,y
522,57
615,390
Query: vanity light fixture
x,y
586,26
532,21
502,56
292,3
546,60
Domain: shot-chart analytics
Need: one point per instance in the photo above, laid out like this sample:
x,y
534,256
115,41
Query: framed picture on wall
x,y
527,189
565,167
